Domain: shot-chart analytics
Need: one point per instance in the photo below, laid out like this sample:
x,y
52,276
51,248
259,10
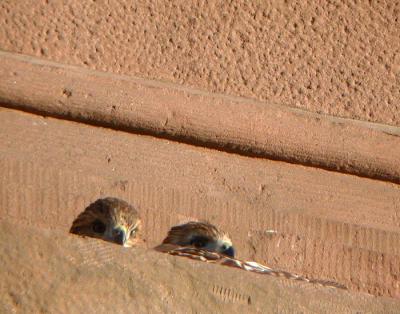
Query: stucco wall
x,y
334,57
86,134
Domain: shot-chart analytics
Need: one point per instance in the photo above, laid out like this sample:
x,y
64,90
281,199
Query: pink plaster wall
x,y
335,57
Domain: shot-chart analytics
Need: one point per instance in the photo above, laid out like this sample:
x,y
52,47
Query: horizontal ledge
x,y
232,124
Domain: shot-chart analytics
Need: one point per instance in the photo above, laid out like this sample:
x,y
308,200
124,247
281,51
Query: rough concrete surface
x,y
48,272
337,58
325,225
334,57
228,123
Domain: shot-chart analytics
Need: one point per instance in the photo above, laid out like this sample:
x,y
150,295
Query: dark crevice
x,y
196,141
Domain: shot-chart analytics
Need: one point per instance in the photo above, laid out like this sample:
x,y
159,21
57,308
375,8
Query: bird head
x,y
201,235
110,219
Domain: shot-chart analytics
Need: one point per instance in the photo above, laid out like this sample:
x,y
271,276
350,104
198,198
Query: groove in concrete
x,y
230,124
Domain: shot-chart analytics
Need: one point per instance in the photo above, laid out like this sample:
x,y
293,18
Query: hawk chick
x,y
201,235
205,242
110,219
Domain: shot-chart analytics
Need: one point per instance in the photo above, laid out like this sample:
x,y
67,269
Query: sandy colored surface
x,y
169,111
49,272
327,225
142,101
338,58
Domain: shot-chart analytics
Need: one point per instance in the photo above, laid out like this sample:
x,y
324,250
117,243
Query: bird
x,y
200,235
205,242
110,219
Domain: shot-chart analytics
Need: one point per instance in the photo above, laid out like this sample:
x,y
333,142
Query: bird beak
x,y
119,235
230,251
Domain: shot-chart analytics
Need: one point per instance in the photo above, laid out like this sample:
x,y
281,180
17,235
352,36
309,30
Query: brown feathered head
x,y
201,235
110,219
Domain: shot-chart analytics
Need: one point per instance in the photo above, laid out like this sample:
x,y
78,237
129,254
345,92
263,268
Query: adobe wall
x,y
119,100
339,58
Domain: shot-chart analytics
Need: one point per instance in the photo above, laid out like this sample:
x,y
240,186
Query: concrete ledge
x,y
50,272
199,118
324,225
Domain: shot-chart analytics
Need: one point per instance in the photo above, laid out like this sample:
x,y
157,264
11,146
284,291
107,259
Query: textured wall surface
x,y
308,221
45,272
339,58
334,57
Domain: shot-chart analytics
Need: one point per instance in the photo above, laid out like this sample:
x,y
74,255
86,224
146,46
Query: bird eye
x,y
224,247
98,227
